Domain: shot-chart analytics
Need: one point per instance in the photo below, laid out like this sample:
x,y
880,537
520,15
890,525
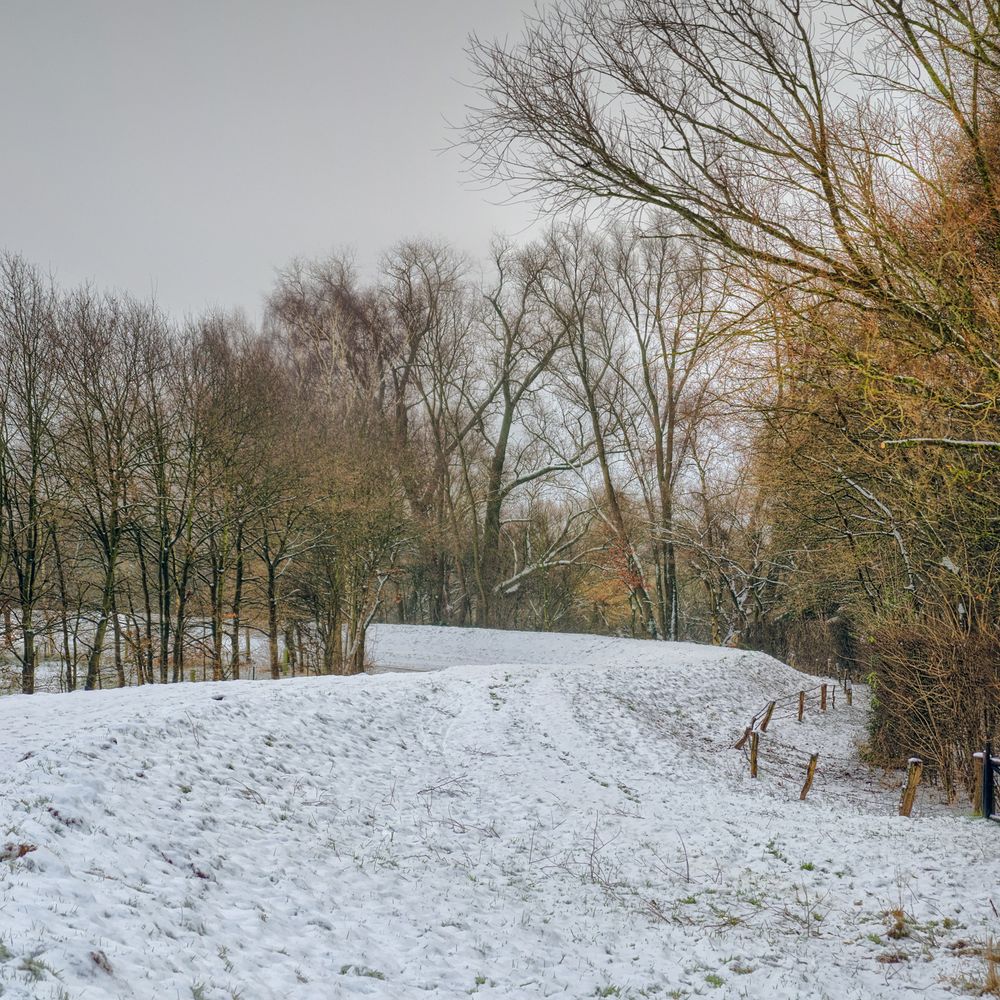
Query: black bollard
x,y
988,805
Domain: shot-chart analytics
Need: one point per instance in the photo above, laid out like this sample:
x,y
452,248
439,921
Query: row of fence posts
x,y
986,773
828,697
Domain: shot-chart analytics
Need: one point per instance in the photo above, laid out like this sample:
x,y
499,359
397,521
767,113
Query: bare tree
x,y
105,343
29,399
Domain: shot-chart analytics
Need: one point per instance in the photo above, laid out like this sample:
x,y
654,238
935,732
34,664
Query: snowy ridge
x,y
553,816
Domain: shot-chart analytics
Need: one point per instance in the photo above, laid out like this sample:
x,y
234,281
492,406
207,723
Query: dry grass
x,y
897,928
991,981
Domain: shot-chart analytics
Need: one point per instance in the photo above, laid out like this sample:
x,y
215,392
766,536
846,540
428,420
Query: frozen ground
x,y
554,816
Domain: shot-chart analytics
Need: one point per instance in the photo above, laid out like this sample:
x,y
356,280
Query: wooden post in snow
x,y
850,693
810,774
822,697
754,745
741,742
802,704
913,774
767,717
833,696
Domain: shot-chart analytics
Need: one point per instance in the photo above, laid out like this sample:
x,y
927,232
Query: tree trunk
x,y
337,644
237,606
68,651
116,627
146,658
272,620
330,643
291,657
181,620
177,674
489,565
218,626
28,653
100,633
165,608
303,666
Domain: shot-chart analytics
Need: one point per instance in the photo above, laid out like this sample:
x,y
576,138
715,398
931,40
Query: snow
x,y
553,815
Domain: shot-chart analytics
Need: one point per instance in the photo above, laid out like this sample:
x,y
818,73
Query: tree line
x,y
543,440
162,488
524,443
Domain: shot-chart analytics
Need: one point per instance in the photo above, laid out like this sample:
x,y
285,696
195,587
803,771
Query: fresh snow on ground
x,y
552,816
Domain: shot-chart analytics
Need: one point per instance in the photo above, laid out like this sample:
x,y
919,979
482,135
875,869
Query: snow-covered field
x,y
553,816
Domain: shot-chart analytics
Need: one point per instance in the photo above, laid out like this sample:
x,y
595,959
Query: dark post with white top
x,y
987,802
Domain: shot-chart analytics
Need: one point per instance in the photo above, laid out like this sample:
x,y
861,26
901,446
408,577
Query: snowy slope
x,y
552,816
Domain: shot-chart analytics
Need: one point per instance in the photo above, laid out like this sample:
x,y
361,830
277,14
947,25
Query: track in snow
x,y
562,816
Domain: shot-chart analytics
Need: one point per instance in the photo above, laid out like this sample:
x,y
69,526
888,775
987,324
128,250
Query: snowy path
x,y
566,822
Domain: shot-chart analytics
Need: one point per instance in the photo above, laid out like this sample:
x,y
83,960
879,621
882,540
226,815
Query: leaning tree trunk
x,y
180,625
101,632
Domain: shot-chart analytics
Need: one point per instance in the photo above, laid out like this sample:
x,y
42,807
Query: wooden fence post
x,y
741,742
810,774
913,773
767,717
802,704
822,697
833,696
754,744
850,693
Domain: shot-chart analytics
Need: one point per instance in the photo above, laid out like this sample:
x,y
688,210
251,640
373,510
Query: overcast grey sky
x,y
188,148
